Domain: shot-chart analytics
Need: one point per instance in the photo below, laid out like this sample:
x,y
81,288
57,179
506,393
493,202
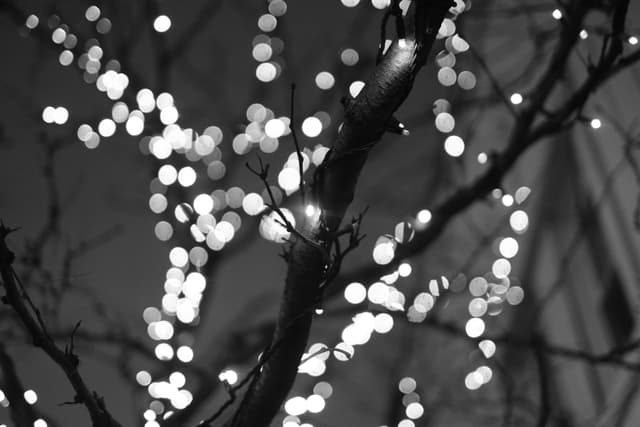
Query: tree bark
x,y
365,120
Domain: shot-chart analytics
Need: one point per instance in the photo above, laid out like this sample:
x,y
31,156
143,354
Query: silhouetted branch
x,y
67,361
365,120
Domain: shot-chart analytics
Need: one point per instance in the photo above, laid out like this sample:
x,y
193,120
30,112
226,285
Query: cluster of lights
x,y
30,397
184,291
498,286
315,403
447,76
57,115
265,49
411,401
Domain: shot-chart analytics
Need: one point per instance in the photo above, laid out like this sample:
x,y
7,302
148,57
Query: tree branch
x,y
66,360
333,187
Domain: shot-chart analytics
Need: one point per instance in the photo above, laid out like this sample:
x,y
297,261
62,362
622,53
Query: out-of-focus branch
x,y
526,132
17,297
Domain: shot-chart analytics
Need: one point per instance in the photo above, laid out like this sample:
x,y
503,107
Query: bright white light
x,y
30,397
315,404
162,23
519,221
584,34
274,128
134,125
355,88
187,176
633,40
487,347
253,204
474,327
39,423
311,127
384,252
557,14
473,380
454,146
178,256
266,72
596,123
164,351
404,269
296,406
289,179
177,379
355,293
414,410
106,127
508,247
169,115
167,174
48,114
501,268
60,115
310,210
378,293
424,216
164,100
229,376
383,323
185,354
350,3
516,98
203,204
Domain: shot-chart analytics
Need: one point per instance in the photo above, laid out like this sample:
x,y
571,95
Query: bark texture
x,y
333,188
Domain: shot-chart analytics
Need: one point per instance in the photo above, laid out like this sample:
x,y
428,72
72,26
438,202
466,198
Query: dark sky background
x,y
213,82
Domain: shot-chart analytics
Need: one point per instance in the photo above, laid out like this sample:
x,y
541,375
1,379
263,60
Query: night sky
x,y
205,62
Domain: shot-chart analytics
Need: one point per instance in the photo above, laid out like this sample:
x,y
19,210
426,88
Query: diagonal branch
x,y
67,360
333,188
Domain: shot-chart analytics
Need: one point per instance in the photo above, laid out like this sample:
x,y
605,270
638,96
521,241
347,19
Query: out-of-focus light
x,y
454,146
162,23
596,123
516,98
350,3
266,72
106,127
311,127
30,397
557,14
424,216
355,88
349,57
325,80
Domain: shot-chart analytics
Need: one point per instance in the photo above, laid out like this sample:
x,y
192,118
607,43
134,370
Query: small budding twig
x,y
263,174
292,126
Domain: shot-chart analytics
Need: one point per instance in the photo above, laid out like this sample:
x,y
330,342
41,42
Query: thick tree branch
x,y
364,123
